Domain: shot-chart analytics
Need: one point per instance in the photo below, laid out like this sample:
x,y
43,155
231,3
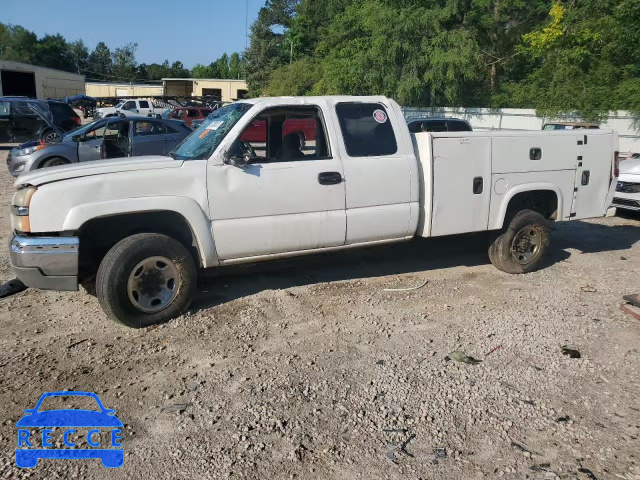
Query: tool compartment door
x,y
593,176
461,185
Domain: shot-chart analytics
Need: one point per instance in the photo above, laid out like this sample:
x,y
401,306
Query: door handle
x,y
478,186
329,178
586,178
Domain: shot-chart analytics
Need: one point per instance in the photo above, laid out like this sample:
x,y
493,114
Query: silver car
x,y
113,137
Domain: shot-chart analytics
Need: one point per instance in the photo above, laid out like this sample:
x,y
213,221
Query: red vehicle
x,y
189,114
305,127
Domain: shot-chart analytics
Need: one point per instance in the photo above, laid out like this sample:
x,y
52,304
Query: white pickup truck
x,y
141,229
130,108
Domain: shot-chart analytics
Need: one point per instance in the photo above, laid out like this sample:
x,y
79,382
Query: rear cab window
x,y
366,129
5,108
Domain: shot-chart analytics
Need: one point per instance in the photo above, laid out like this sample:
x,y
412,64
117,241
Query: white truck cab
x,y
246,187
130,108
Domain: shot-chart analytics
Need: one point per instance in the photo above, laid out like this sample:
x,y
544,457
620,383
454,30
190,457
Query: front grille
x,y
624,202
628,187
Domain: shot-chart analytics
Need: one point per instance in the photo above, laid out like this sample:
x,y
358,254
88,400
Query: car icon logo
x,y
74,422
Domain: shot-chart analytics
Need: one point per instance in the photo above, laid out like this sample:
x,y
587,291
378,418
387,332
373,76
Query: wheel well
x,y
545,202
98,235
45,160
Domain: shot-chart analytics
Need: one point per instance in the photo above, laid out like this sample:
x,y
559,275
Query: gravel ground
x,y
309,369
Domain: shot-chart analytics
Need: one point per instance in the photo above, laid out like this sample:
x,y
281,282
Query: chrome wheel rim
x,y
52,137
526,245
153,284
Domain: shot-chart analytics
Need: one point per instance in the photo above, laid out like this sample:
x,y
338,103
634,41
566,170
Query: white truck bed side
x,y
470,178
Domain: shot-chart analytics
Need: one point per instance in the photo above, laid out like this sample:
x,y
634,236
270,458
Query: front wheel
x,y
522,246
54,162
146,279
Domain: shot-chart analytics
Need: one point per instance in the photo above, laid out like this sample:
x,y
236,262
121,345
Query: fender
x,y
186,207
496,218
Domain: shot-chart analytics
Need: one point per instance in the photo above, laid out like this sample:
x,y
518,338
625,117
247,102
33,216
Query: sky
x,y
191,31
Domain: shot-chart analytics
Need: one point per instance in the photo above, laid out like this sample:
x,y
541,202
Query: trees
x,y
231,67
100,65
268,48
586,58
236,66
17,43
124,62
580,56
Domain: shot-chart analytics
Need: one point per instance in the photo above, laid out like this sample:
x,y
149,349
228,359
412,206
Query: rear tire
x,y
146,279
521,247
50,137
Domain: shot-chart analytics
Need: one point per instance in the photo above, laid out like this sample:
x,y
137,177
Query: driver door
x,y
290,197
91,145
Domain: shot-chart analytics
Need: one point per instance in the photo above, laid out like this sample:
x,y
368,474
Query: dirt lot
x,y
310,369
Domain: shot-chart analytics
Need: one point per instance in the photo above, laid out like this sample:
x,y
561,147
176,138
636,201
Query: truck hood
x,y
98,167
630,167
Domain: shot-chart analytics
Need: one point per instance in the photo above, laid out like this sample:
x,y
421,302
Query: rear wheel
x,y
50,137
521,247
146,279
54,162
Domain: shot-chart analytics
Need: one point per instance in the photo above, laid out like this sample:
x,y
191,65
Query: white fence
x,y
627,126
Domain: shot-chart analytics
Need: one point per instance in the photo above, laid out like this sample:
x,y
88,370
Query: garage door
x,y
18,84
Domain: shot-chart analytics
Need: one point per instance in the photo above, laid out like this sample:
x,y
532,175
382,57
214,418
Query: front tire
x,y
146,279
522,246
54,162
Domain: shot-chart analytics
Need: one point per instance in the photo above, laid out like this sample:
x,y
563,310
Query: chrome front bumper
x,y
47,263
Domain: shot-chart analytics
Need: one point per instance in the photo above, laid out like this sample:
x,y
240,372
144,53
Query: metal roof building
x,y
221,89
24,80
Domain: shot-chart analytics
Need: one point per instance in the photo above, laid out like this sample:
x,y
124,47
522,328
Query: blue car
x,y
73,418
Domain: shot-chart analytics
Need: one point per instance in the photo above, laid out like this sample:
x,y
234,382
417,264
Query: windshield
x,y
201,144
119,105
83,129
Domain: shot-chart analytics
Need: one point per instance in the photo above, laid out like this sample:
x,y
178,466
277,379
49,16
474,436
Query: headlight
x,y
22,198
27,151
20,209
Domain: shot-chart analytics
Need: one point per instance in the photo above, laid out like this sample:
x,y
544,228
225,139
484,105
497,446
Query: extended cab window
x,y
4,109
366,129
144,104
284,134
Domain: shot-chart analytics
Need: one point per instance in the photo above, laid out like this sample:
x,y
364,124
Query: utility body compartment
x,y
469,178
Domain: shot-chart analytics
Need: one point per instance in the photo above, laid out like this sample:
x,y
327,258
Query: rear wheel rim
x,y
526,245
153,284
52,137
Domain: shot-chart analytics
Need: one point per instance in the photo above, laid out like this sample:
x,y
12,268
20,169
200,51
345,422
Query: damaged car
x,y
112,137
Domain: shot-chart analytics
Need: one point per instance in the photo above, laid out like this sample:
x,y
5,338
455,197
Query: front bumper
x,y
47,263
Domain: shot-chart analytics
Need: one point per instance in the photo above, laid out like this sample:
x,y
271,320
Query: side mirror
x,y
239,162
